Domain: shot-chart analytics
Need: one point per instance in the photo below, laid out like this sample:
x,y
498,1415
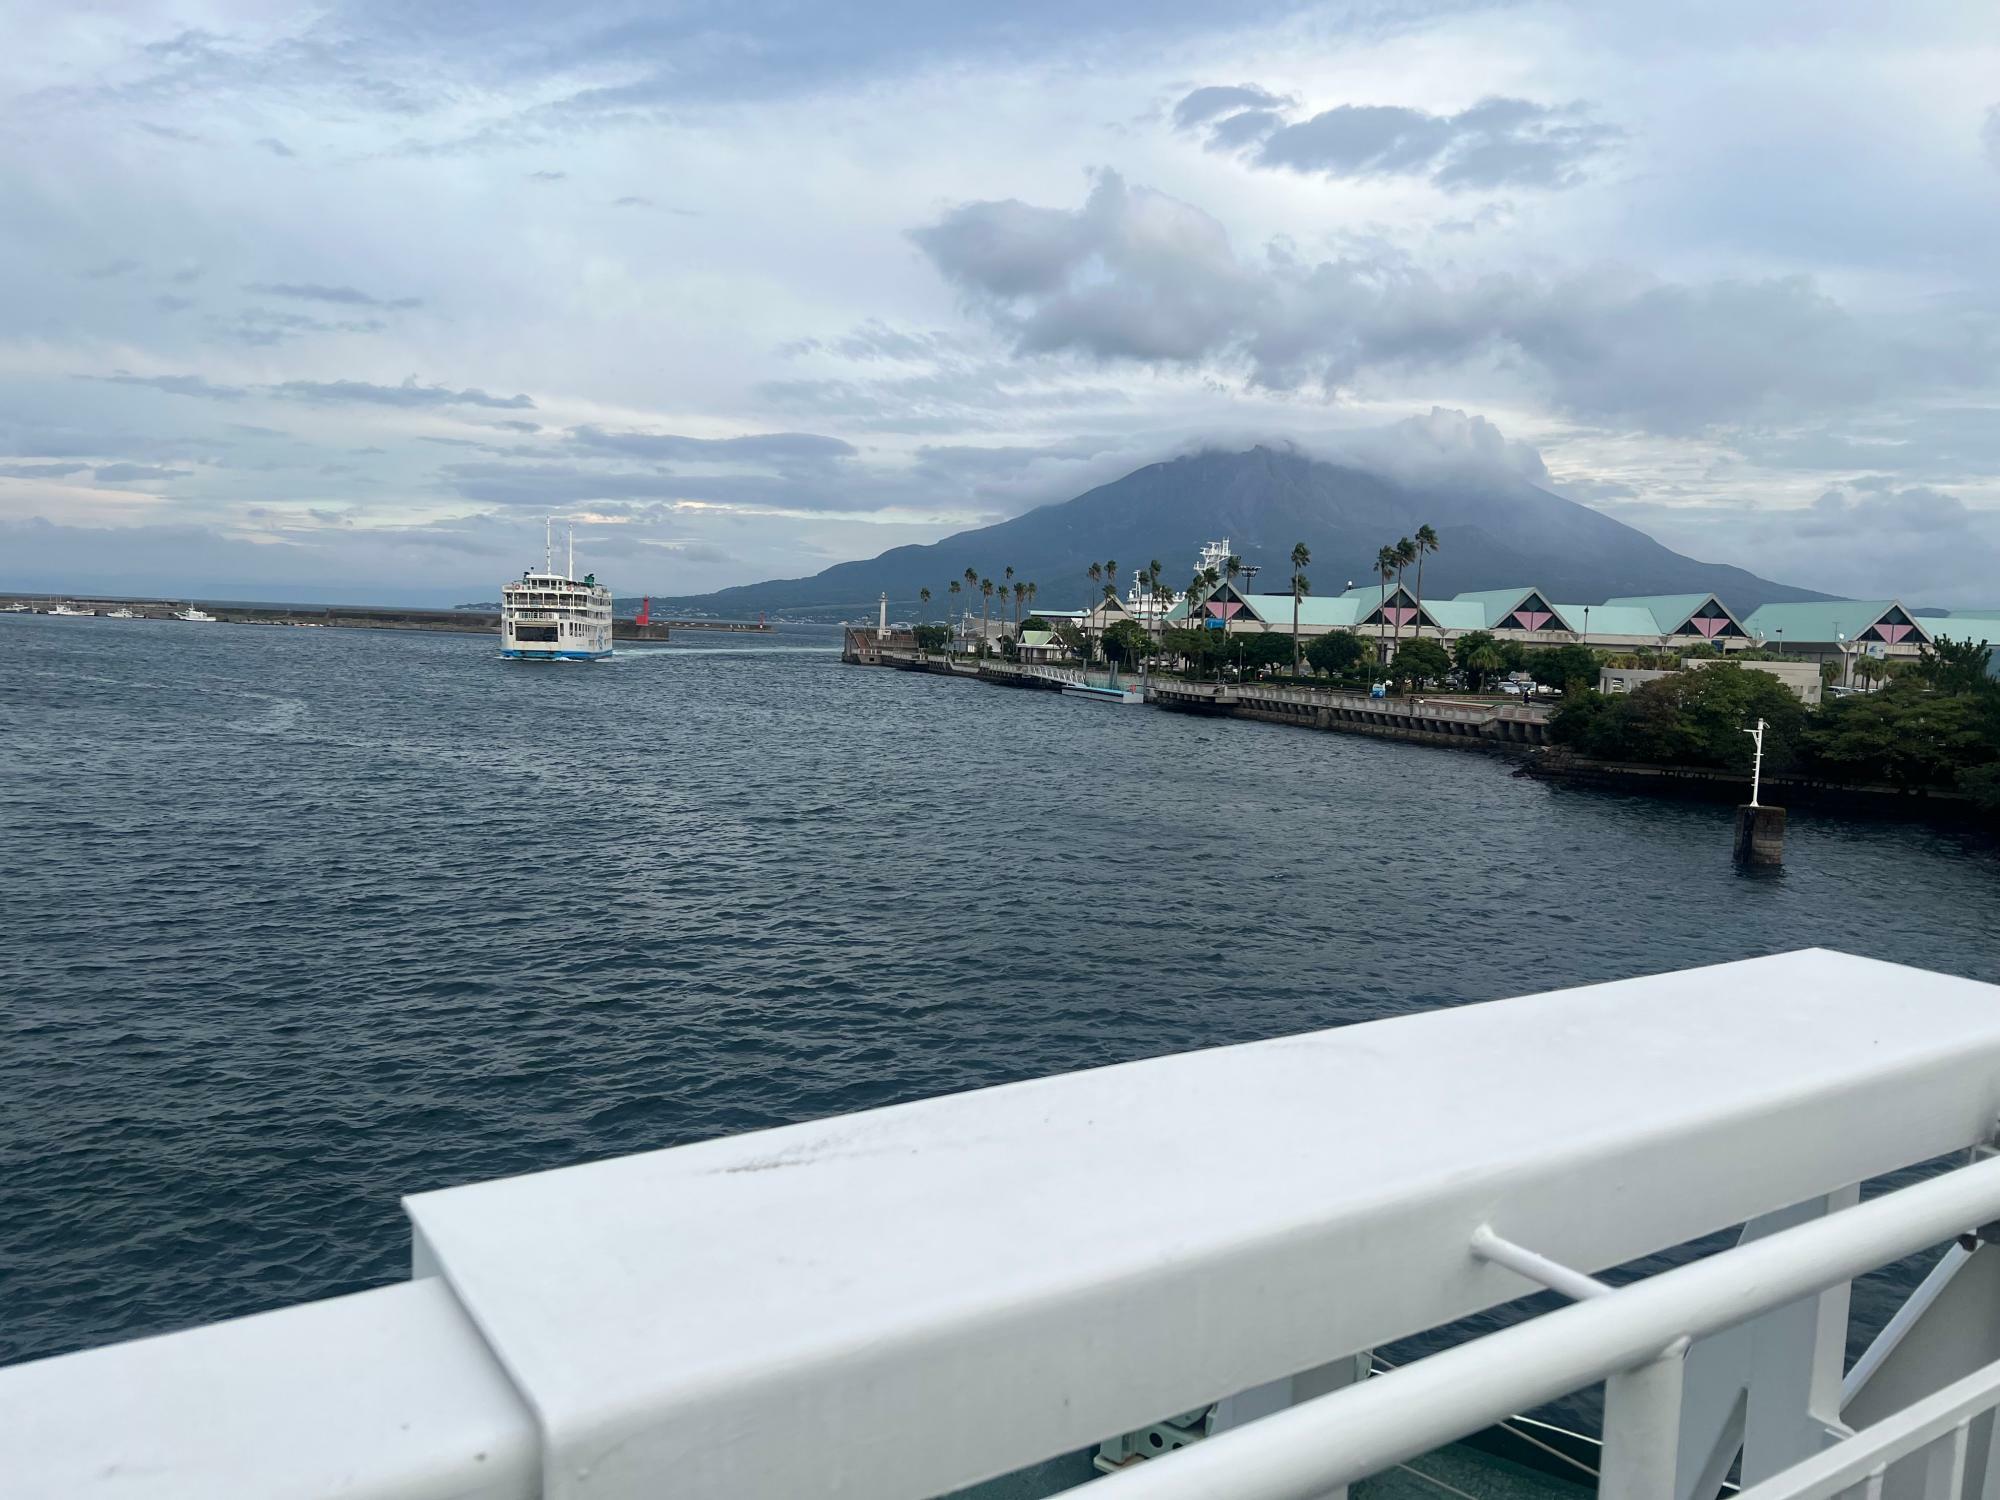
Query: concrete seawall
x,y
1457,724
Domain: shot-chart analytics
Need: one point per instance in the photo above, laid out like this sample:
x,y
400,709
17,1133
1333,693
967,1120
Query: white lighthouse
x,y
882,625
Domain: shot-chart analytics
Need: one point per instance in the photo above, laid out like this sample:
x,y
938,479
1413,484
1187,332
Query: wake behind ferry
x,y
551,616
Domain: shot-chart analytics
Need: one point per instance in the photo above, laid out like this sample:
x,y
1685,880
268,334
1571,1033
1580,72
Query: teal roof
x,y
1669,611
1828,620
1320,613
1456,614
1619,619
1499,603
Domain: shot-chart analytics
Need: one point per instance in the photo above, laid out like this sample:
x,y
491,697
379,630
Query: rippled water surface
x,y
295,922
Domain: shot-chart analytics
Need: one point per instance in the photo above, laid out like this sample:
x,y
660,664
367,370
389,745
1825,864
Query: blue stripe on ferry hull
x,y
555,655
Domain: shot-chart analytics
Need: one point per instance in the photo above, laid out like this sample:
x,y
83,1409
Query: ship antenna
x,y
548,546
570,571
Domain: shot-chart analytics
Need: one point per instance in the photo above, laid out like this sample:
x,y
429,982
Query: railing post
x,y
1642,1429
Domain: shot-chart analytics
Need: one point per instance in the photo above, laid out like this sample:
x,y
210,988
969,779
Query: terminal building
x,y
1828,630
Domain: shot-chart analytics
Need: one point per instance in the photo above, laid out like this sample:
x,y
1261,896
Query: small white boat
x,y
17,607
195,616
121,613
70,609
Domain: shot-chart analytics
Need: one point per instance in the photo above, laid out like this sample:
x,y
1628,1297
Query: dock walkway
x,y
1443,720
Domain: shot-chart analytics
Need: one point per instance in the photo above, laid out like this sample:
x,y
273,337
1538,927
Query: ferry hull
x,y
523,655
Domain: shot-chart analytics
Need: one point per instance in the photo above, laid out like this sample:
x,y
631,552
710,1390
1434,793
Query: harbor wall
x,y
1454,723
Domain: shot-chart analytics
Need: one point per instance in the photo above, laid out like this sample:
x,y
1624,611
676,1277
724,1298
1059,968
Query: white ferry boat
x,y
195,616
551,616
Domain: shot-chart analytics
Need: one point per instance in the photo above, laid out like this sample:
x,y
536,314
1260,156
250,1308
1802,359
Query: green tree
x,y
1262,651
1907,736
1688,719
1421,661
1406,556
1427,541
1478,657
985,603
1568,669
1385,569
933,637
1301,586
1957,668
1339,652
1126,642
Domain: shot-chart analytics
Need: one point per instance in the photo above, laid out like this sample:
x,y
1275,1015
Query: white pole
x,y
1757,761
570,569
548,545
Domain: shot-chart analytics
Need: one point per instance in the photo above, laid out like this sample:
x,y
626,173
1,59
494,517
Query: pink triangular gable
x,y
1531,619
1219,609
1398,615
1709,628
1893,633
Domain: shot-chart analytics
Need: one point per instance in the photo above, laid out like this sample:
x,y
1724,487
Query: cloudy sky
x,y
341,300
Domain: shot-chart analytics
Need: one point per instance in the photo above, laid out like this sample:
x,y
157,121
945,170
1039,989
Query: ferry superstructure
x,y
551,616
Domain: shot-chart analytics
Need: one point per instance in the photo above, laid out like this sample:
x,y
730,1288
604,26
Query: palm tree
x,y
1020,597
1385,567
1003,595
1427,541
986,590
1301,586
1032,591
1406,555
923,599
951,609
1231,566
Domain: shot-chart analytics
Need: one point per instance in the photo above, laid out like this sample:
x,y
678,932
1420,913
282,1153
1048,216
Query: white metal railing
x,y
901,1303
1640,1331
1936,1432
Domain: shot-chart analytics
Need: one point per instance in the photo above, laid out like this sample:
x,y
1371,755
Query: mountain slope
x,y
1496,530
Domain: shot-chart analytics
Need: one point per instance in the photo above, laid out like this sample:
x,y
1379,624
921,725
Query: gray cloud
x,y
168,133
109,269
135,474
1873,505
1990,135
174,385
547,176
765,447
263,327
345,296
275,146
168,303
632,201
1495,143
408,394
40,471
1134,275
1220,99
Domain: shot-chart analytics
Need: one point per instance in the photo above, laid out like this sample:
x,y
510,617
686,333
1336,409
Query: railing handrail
x,y
1853,1460
1336,1439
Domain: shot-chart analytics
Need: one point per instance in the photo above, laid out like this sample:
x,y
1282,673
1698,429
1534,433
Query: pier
x,y
1457,722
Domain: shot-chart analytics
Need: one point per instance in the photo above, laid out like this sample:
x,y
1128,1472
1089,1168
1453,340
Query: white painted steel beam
x,y
384,1395
903,1302
1364,1430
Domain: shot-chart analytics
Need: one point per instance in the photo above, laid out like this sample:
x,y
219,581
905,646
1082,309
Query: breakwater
x,y
1459,723
365,617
